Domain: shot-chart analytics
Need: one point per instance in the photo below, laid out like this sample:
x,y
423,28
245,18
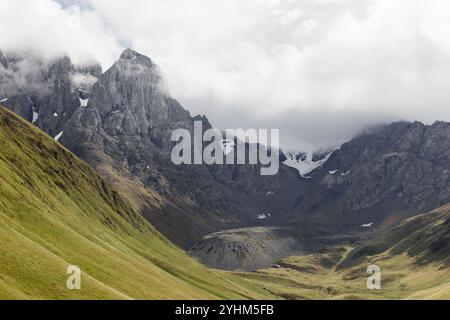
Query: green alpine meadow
x,y
57,212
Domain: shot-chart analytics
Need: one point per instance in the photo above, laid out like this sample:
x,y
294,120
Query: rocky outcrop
x,y
260,247
249,249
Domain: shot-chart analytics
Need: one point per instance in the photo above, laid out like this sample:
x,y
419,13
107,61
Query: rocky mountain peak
x,y
129,54
141,63
133,90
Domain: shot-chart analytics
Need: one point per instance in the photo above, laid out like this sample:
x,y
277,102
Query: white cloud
x,y
45,26
290,16
326,68
83,80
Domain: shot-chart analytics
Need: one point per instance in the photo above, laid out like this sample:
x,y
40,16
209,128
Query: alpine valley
x,y
87,179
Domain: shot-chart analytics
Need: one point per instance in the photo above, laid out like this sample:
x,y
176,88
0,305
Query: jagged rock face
x,y
130,115
382,176
43,92
60,100
131,96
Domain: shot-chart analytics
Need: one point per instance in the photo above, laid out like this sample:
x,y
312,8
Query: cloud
x,y
82,80
318,70
27,75
52,30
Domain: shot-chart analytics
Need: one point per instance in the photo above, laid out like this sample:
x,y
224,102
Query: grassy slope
x,y
55,211
414,259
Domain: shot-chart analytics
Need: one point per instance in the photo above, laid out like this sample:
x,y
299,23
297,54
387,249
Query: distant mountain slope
x,y
55,211
373,182
425,238
385,175
413,258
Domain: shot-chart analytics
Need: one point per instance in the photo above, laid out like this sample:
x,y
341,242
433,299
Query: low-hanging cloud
x,y
82,80
26,76
320,70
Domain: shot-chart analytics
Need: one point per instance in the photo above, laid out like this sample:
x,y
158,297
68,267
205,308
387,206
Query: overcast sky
x,y
319,70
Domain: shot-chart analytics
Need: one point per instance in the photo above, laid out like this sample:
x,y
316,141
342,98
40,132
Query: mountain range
x,y
359,197
121,126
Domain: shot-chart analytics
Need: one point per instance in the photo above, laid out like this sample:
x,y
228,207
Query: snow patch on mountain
x,y
84,102
367,225
59,135
263,216
305,163
35,116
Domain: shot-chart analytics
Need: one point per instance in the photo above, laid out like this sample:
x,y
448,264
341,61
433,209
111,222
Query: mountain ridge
x,y
368,196
121,126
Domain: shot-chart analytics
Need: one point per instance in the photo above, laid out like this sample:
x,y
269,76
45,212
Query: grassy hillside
x,y
414,259
55,211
